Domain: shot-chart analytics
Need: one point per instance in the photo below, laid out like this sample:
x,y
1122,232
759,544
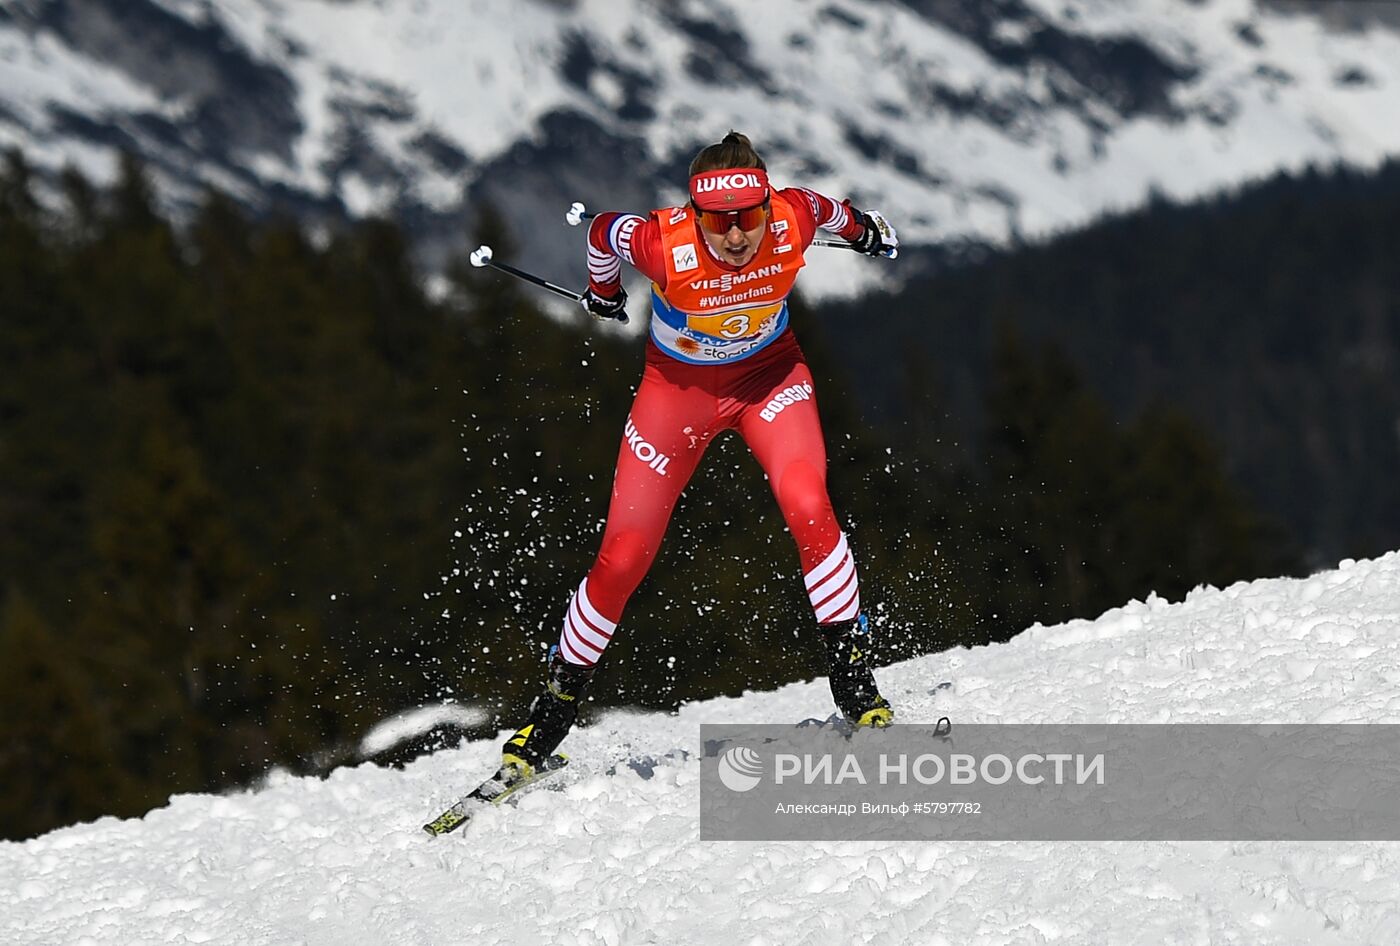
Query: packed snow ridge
x,y
612,854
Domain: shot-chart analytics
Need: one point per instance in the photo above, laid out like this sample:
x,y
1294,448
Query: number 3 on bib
x,y
736,326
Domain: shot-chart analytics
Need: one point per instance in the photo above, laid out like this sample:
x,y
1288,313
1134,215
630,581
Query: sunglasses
x,y
719,221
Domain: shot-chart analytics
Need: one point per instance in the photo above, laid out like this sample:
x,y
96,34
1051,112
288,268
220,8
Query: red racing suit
x,y
720,357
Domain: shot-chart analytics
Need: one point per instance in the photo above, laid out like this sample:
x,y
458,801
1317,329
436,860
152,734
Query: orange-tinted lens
x,y
717,221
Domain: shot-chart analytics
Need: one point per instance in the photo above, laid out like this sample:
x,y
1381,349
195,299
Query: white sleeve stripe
x,y
837,220
620,235
604,270
828,565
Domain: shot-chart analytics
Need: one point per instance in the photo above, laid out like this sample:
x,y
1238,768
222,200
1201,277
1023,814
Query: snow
x,y
41,76
612,857
480,74
414,722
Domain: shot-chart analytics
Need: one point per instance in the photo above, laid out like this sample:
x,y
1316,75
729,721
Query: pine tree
x,y
58,751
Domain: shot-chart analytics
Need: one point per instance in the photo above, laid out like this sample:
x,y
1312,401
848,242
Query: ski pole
x,y
578,213
481,256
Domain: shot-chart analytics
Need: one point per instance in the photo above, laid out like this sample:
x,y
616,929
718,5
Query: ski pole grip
x,y
481,255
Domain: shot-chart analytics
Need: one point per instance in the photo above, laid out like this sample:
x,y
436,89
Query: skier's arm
x,y
870,232
818,211
614,237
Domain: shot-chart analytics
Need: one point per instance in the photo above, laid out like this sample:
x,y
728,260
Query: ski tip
x,y
510,779
445,823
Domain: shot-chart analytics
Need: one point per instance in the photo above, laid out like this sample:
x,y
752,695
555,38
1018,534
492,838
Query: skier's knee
x,y
625,558
801,492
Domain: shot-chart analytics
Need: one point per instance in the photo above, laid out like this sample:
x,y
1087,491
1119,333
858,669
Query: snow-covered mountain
x,y
613,856
980,119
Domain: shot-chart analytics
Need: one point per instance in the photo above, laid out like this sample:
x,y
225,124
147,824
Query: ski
x,y
840,724
508,780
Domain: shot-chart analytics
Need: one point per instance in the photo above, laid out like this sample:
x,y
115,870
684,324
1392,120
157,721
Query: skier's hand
x,y
606,307
878,238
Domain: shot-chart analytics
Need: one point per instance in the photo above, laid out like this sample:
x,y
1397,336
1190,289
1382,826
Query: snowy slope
x,y
977,119
615,858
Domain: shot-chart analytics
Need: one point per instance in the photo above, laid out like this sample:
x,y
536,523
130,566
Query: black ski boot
x,y
852,684
551,716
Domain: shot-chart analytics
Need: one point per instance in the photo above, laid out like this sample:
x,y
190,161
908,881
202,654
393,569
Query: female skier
x,y
720,357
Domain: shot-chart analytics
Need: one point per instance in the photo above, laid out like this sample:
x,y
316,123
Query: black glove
x,y
878,238
606,307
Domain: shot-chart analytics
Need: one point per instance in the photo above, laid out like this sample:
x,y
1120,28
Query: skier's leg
x,y
663,439
782,428
781,425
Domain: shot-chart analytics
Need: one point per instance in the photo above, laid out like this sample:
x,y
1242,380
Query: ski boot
x,y
552,715
852,684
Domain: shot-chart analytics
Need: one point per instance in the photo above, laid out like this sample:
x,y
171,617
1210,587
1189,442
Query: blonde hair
x,y
735,151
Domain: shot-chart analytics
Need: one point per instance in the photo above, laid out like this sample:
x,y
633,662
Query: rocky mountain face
x,y
965,120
